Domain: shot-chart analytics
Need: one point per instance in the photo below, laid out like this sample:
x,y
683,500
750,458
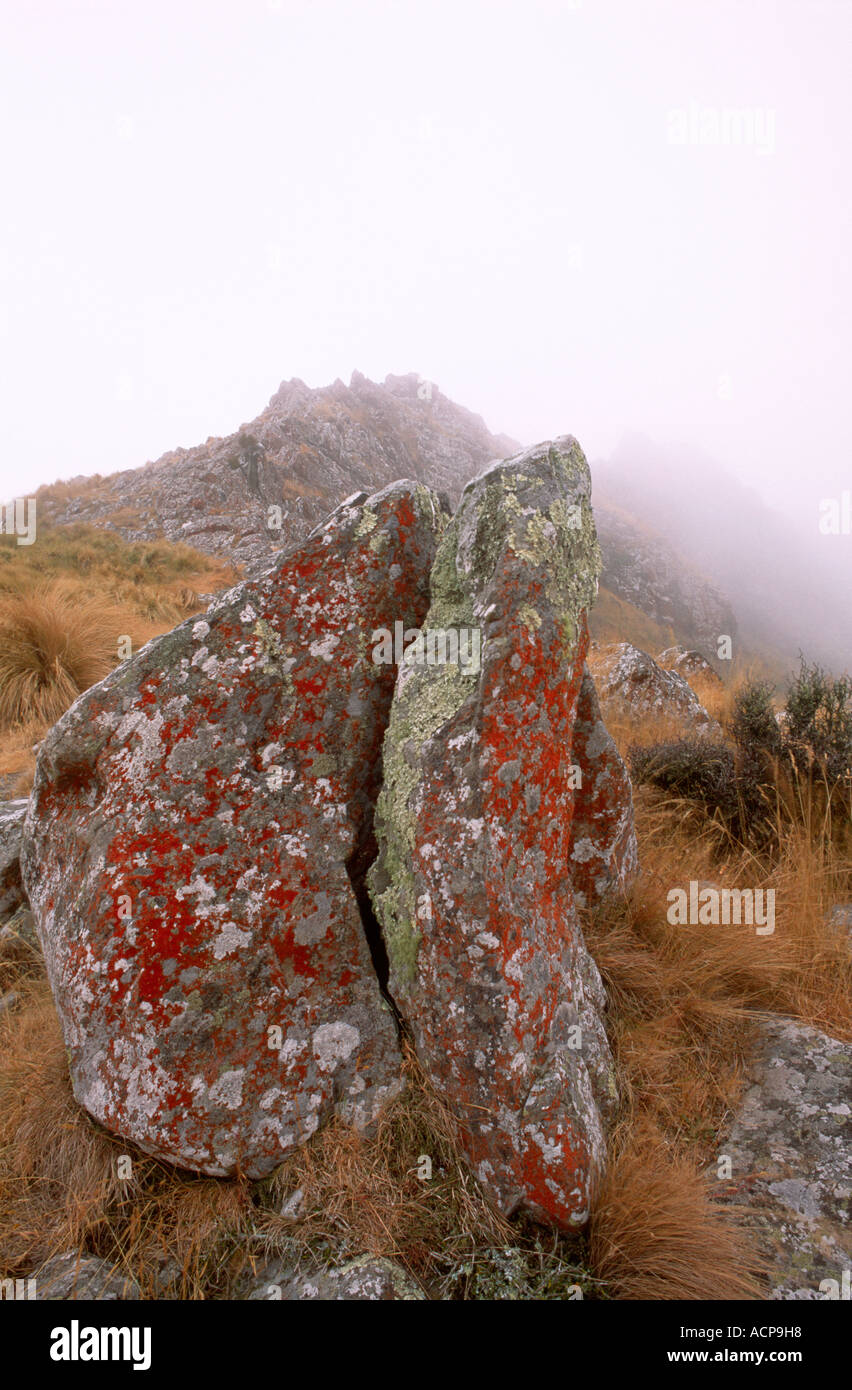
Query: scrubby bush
x,y
753,725
711,775
777,766
818,725
692,768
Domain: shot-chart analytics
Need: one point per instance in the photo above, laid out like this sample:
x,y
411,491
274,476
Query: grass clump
x,y
72,607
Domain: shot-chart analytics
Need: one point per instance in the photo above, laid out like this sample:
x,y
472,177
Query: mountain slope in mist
x,y
267,485
789,585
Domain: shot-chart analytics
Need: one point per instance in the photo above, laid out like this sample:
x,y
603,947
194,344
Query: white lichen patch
x,y
334,1043
231,938
324,647
228,1090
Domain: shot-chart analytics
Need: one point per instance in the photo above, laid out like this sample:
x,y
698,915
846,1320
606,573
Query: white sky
x,y
201,200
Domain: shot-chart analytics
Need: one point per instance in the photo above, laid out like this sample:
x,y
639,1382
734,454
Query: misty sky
x,y
540,206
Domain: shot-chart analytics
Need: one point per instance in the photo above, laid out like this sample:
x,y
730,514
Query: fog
x,y
605,217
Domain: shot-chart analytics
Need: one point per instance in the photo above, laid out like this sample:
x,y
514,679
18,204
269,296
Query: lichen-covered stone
x,y
12,815
197,822
484,829
689,664
630,684
86,1278
365,1279
790,1156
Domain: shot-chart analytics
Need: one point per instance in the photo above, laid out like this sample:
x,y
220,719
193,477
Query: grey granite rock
x,y
790,1150
73,1277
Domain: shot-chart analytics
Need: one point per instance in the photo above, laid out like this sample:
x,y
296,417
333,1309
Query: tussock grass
x,y
54,643
64,603
654,1233
683,1004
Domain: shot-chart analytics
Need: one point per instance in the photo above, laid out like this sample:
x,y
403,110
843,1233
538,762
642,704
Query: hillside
x,y
310,448
788,584
304,453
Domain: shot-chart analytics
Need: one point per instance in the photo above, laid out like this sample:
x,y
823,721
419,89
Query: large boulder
x,y
195,847
632,687
503,799
789,1151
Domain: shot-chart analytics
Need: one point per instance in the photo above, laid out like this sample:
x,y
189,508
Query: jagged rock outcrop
x,y
266,485
502,790
197,833
303,454
789,1151
631,685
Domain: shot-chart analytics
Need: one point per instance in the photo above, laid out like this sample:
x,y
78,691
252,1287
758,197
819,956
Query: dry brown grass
x,y
614,619
59,634
655,1234
683,1003
66,491
54,643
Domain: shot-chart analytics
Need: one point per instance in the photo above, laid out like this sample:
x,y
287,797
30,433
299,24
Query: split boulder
x,y
198,828
504,803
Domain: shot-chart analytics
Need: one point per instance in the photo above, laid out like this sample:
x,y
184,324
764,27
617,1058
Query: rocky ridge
x,y
265,486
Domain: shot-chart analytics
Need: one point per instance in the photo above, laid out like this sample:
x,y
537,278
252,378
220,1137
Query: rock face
x,y
11,830
789,1146
306,452
485,827
631,685
197,833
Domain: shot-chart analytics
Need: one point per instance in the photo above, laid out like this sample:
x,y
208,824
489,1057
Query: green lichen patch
x,y
368,523
428,699
277,659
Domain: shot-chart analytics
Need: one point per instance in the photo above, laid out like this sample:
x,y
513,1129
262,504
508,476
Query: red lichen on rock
x,y
483,826
190,880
